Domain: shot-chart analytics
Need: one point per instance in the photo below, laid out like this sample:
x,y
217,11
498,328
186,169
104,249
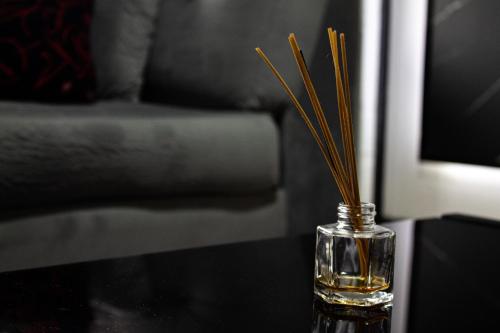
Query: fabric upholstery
x,y
121,37
56,154
205,50
132,228
45,51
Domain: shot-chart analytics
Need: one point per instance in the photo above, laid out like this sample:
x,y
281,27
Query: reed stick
x,y
344,69
307,121
354,166
340,99
344,105
343,172
318,110
345,116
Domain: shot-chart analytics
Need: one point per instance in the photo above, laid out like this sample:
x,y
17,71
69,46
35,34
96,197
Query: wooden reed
x,y
344,106
344,171
334,170
345,115
318,110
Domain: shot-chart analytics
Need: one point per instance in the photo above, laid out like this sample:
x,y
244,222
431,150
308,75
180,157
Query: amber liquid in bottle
x,y
354,284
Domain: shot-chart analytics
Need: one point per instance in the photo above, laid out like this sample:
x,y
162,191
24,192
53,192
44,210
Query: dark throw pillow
x,y
45,50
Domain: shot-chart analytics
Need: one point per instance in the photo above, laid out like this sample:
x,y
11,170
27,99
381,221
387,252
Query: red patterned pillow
x,y
45,50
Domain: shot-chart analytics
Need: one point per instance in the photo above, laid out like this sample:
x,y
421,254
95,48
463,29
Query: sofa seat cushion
x,y
54,153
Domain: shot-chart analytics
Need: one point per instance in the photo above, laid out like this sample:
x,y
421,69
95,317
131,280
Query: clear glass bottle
x,y
354,258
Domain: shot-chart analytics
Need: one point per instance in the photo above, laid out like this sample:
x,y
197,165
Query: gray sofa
x,y
190,144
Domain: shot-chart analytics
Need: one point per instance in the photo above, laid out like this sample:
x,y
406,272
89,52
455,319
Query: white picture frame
x,y
412,187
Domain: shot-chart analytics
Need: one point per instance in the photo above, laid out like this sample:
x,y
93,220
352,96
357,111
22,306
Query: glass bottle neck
x,y
356,218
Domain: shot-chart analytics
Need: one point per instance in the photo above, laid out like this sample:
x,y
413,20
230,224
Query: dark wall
x,y
462,100
313,195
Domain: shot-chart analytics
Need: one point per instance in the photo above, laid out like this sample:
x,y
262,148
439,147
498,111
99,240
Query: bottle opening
x,y
361,216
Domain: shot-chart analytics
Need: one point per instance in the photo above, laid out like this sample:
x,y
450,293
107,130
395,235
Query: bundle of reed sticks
x,y
344,171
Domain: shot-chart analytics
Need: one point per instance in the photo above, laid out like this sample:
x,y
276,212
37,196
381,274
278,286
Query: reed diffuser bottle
x,y
354,258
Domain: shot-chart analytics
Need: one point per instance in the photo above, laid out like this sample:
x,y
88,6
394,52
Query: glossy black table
x,y
446,281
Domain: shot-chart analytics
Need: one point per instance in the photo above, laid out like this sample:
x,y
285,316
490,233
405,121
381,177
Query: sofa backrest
x,y
203,51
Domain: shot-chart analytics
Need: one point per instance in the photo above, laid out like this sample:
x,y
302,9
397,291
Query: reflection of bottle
x,y
328,318
354,259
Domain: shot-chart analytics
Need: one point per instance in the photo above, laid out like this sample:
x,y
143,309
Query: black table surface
x,y
446,281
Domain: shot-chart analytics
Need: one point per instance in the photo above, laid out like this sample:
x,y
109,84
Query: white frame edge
x,y
371,39
411,187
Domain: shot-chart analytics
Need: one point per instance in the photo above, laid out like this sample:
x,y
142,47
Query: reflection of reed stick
x,y
343,172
